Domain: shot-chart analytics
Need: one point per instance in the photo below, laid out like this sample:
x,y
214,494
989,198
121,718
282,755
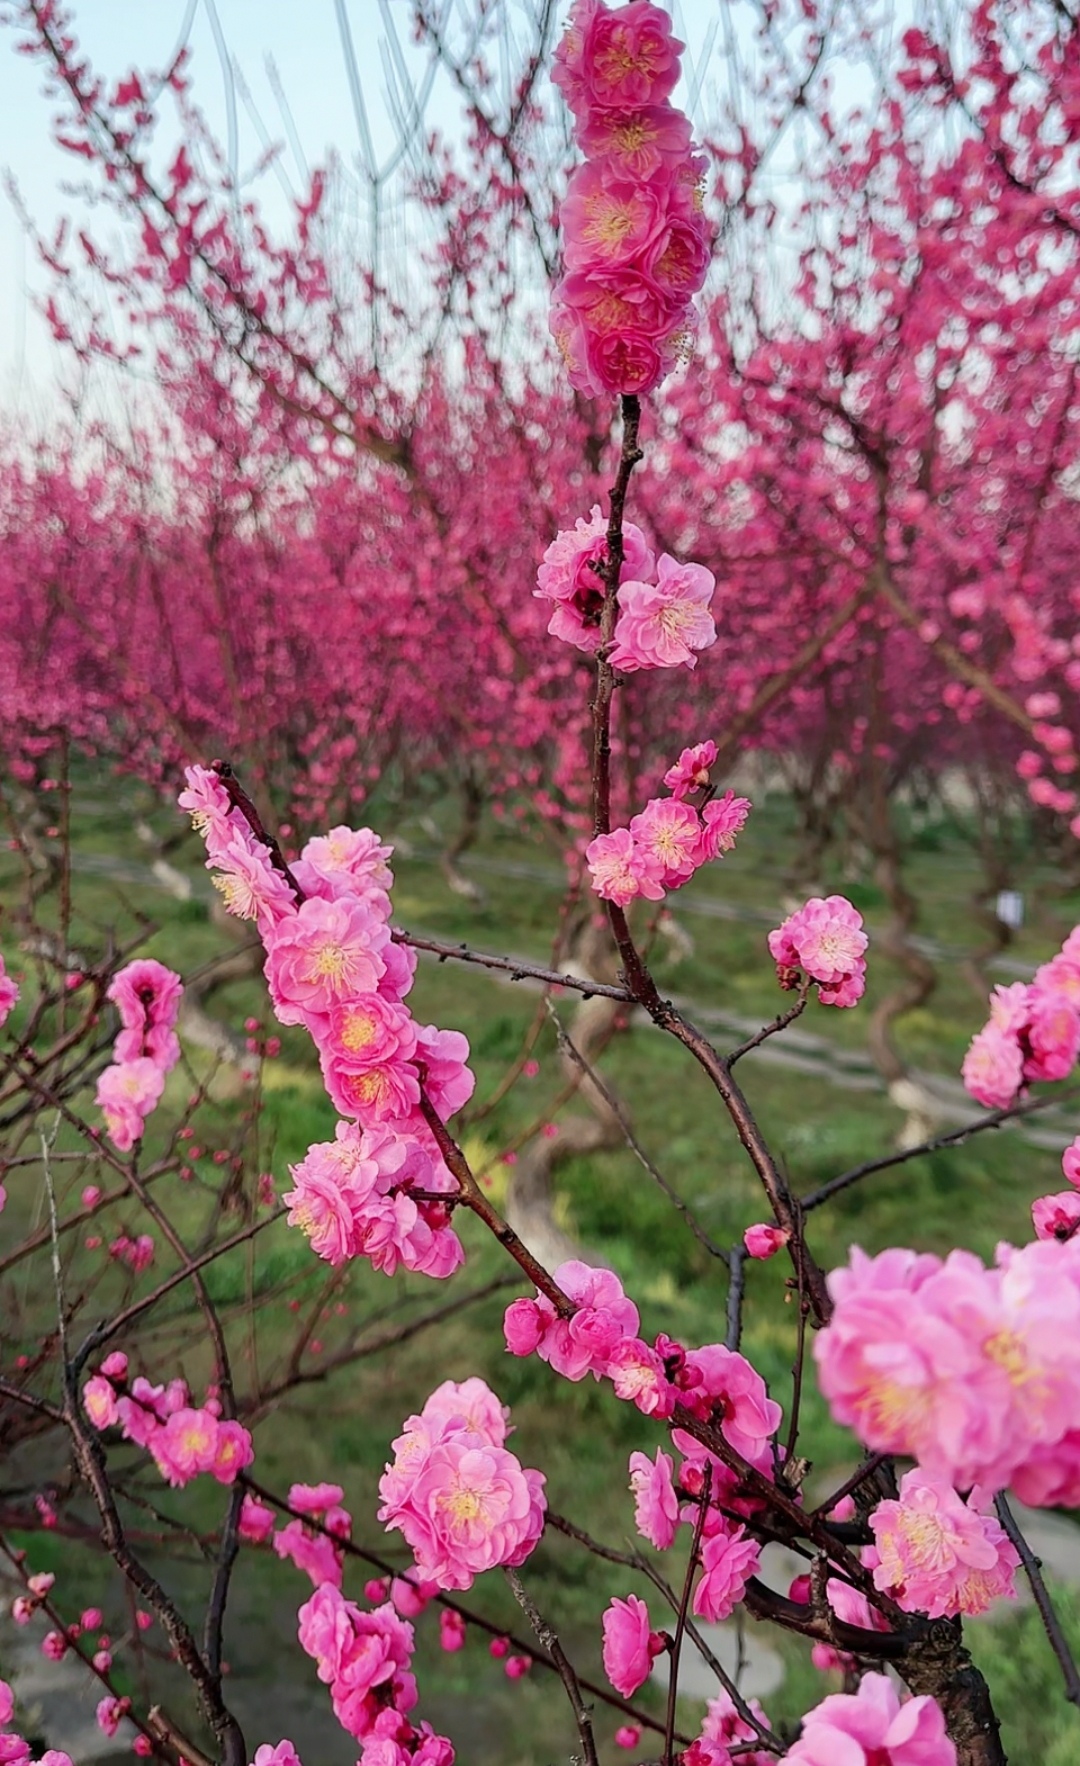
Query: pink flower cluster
x,y
970,1371
184,1439
873,1728
939,1555
715,1383
9,997
636,244
724,1729
333,967
670,839
462,1501
147,996
663,616
314,1548
1033,1031
365,1659
352,1199
824,939
14,1750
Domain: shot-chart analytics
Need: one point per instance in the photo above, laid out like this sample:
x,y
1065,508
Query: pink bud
x,y
764,1241
627,1735
451,1631
517,1667
91,1196
377,1590
499,1647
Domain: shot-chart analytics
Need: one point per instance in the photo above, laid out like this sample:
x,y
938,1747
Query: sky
x,y
299,38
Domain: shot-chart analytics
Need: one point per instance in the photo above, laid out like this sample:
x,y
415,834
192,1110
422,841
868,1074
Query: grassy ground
x,y
341,1426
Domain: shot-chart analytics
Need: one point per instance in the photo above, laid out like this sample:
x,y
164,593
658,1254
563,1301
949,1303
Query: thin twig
x,y
1051,1623
513,966
613,1104
684,1608
955,1138
548,1640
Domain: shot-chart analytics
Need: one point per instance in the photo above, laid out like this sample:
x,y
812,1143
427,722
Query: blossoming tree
x,y
972,1372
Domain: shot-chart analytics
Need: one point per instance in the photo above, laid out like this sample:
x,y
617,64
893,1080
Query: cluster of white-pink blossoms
x,y
671,838
663,615
1033,1031
15,1750
462,1500
184,1439
147,996
333,966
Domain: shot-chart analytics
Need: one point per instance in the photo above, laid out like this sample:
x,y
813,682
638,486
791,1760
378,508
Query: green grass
x,y
579,1435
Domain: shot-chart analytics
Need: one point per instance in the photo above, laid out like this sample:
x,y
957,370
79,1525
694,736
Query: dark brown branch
x,y
680,1623
512,966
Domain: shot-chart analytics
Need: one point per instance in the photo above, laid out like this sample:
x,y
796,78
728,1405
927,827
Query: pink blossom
x,y
639,141
54,1645
568,576
620,870
1053,1035
722,821
314,1499
115,1366
234,1452
764,1241
147,995
872,1728
630,1644
663,625
1056,1217
627,1735
208,803
726,1384
412,1596
993,1068
584,1343
728,1560
7,1702
448,1080
284,1754
1070,1162
615,59
99,1402
667,834
110,1713
347,861
126,1093
825,938
249,884
324,954
938,1554
656,1506
637,1373
313,1553
188,1444
607,221
691,771
256,1521
466,1509
466,1407
451,1631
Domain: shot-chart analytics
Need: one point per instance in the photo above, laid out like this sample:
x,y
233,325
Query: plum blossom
x,y
729,1558
570,576
584,1343
691,771
938,1554
1056,1217
127,1093
664,624
656,1506
873,1728
630,1644
325,953
462,1501
620,871
825,939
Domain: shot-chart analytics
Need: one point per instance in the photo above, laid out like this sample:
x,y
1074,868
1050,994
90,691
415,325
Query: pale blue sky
x,y
302,39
